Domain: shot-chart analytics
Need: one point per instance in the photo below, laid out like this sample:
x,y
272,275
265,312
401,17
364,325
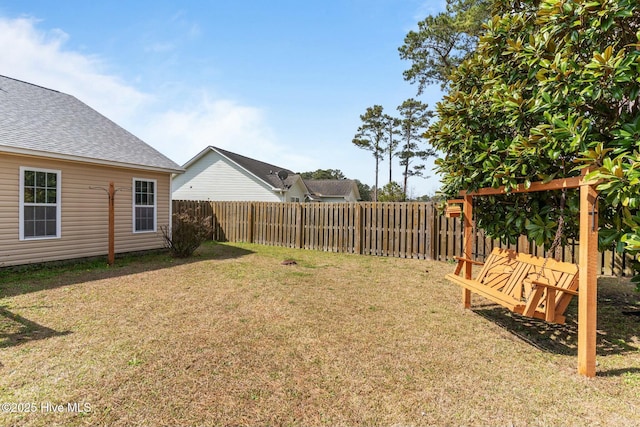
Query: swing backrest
x,y
513,273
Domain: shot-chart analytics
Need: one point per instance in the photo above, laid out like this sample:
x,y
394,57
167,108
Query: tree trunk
x,y
406,178
375,188
390,163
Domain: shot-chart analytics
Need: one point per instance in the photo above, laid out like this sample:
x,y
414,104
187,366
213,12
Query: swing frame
x,y
587,256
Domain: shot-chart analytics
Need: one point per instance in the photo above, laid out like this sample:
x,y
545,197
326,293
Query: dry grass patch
x,y
235,338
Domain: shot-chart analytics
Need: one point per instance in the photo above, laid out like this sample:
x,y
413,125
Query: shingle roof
x,y
51,123
330,187
265,171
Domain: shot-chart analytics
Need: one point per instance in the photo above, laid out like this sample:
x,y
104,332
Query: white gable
x,y
214,177
297,192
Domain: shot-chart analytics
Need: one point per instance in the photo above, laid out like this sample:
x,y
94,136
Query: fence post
x,y
213,221
250,216
358,229
299,226
430,222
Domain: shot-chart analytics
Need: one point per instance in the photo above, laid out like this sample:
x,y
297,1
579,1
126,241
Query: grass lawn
x,y
233,337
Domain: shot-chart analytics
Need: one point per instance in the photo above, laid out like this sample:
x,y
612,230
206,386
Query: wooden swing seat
x,y
525,284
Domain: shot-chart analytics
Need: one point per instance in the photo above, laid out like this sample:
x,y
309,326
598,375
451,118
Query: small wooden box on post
x,y
453,208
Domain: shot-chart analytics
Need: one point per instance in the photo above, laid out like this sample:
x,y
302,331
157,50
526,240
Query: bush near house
x,y
189,231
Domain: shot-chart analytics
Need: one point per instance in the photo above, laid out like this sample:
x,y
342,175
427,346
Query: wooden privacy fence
x,y
404,230
384,229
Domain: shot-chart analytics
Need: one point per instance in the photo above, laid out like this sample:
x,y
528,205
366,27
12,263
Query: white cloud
x,y
221,123
179,131
39,57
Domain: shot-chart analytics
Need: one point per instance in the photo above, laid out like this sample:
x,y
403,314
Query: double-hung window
x,y
144,205
39,203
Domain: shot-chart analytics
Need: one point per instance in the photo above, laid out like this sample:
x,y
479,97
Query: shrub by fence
x,y
405,230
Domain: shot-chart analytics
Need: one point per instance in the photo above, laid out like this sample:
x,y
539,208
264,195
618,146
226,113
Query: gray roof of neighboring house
x,y
332,187
265,171
40,121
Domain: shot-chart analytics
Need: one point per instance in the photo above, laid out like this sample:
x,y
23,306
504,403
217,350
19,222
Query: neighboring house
x,y
332,190
57,158
219,175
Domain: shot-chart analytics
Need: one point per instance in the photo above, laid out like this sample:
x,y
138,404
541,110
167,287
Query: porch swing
x,y
534,286
528,285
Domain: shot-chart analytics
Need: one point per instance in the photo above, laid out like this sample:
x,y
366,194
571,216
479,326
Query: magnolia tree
x,y
552,88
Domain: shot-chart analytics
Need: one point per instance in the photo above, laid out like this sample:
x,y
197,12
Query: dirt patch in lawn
x,y
234,337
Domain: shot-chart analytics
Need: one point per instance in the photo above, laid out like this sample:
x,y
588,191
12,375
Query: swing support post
x,y
588,262
467,210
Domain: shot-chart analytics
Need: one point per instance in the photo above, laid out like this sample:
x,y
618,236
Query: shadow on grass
x,y
619,372
16,330
618,325
33,278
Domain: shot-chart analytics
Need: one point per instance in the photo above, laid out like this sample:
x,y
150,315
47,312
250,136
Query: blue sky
x,y
281,81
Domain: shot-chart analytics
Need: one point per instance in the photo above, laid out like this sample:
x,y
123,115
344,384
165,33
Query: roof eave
x,y
197,157
71,158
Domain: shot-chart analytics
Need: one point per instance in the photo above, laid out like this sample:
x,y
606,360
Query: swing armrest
x,y
461,262
459,258
557,288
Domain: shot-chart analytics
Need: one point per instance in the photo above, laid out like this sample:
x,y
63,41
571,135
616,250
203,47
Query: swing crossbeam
x,y
524,284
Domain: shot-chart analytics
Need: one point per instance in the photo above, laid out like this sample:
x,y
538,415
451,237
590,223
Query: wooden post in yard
x,y
588,262
111,194
467,211
112,227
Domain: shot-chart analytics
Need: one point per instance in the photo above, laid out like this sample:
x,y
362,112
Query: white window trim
x,y
155,205
58,204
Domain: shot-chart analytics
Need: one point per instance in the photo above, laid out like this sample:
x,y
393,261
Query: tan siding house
x,y
57,158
